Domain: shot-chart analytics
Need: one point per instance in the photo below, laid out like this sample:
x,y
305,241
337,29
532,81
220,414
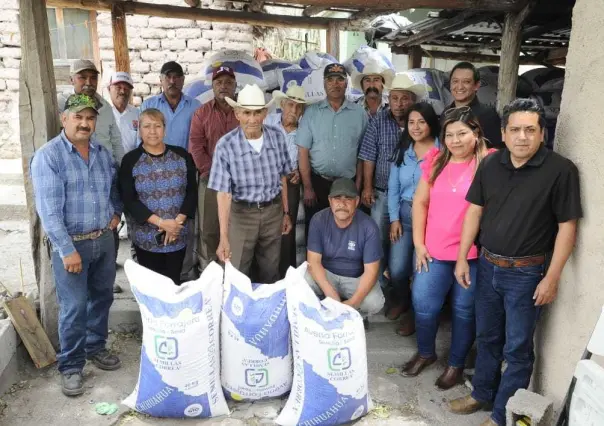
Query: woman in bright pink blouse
x,y
438,210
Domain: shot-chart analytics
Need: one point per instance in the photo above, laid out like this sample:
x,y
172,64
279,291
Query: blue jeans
x,y
84,301
430,290
506,317
379,213
401,256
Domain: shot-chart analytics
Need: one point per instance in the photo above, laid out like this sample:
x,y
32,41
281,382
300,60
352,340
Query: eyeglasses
x,y
459,110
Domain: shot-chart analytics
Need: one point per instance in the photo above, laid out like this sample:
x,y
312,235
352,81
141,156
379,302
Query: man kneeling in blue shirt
x,y
344,252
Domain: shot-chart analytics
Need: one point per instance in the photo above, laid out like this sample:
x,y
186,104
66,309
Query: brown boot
x,y
489,422
465,405
395,310
407,325
451,376
416,364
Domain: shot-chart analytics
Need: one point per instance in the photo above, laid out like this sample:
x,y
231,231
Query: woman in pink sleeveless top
x,y
438,210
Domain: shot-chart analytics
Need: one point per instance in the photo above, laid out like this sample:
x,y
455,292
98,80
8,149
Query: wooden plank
x,y
333,40
39,122
492,5
415,57
25,320
209,15
120,38
94,36
510,53
467,56
458,22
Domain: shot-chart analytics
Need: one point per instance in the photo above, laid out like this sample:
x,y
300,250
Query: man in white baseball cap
x,y
249,171
372,81
291,104
126,116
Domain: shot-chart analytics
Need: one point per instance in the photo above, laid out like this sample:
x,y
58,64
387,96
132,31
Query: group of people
x,y
473,210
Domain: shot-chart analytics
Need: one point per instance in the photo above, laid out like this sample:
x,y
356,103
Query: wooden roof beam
x,y
476,5
458,22
256,5
210,15
467,56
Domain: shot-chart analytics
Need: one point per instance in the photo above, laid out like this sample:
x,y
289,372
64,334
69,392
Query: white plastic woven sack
x,y
255,337
330,359
270,68
311,80
434,81
247,69
199,89
364,55
316,60
180,357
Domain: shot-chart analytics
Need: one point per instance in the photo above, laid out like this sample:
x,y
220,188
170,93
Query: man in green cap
x,y
344,251
74,179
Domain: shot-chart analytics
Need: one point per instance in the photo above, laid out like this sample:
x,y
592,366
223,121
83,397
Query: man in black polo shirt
x,y
464,82
525,201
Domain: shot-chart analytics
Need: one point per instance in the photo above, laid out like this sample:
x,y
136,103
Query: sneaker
x,y
105,360
72,384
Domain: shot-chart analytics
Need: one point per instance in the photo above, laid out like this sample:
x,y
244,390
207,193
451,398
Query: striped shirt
x,y
380,140
73,196
275,121
246,174
165,185
178,122
208,125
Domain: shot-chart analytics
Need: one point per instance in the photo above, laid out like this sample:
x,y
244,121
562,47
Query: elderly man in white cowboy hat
x,y
291,104
372,81
250,169
380,140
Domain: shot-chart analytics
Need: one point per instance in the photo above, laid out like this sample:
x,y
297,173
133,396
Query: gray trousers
x,y
209,227
256,233
346,286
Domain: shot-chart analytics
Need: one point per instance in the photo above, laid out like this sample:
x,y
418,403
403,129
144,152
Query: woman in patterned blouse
x,y
159,189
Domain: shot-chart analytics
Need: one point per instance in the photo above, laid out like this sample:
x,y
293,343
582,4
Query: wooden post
x,y
39,122
333,40
120,38
510,55
415,57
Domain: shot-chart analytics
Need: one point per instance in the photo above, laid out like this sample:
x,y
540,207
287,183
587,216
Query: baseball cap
x,y
77,103
120,77
343,187
82,65
335,70
222,70
171,66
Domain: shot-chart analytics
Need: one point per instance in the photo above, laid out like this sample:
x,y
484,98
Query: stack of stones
x,y
10,59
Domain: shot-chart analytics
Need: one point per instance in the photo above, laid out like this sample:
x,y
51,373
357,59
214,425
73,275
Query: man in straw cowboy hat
x,y
372,81
380,140
328,138
250,168
292,105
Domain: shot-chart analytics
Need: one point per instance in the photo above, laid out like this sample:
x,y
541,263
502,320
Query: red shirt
x,y
208,125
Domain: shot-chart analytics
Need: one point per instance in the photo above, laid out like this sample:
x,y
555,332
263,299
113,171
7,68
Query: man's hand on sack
x,y
224,250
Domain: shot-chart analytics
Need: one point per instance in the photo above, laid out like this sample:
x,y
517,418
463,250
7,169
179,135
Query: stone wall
x,y
151,40
10,59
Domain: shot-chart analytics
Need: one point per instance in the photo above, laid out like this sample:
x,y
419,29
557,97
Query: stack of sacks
x,y
309,76
366,57
434,82
270,69
199,89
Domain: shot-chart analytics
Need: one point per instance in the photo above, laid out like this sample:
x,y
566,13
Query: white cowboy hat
x,y
250,97
372,68
294,93
403,82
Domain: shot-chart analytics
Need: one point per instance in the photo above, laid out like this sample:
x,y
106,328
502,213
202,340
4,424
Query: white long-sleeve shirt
x,y
107,132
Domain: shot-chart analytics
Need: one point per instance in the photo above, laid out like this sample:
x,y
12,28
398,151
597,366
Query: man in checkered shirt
x,y
249,171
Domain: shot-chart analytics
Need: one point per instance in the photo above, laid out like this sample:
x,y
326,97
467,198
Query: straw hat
x,y
250,97
403,82
373,68
294,93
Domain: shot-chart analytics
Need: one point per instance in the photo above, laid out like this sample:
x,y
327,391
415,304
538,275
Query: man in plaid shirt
x,y
75,187
249,171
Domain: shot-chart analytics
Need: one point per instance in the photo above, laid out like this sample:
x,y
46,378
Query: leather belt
x,y
258,205
513,262
90,235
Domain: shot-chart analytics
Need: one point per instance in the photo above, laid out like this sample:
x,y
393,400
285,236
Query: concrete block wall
x,y
151,41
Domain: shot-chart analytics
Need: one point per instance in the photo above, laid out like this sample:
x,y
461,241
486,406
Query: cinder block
x,y
9,73
10,52
137,43
152,44
139,66
157,22
199,44
153,55
525,403
188,33
141,89
151,78
137,21
158,33
173,44
11,63
214,34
